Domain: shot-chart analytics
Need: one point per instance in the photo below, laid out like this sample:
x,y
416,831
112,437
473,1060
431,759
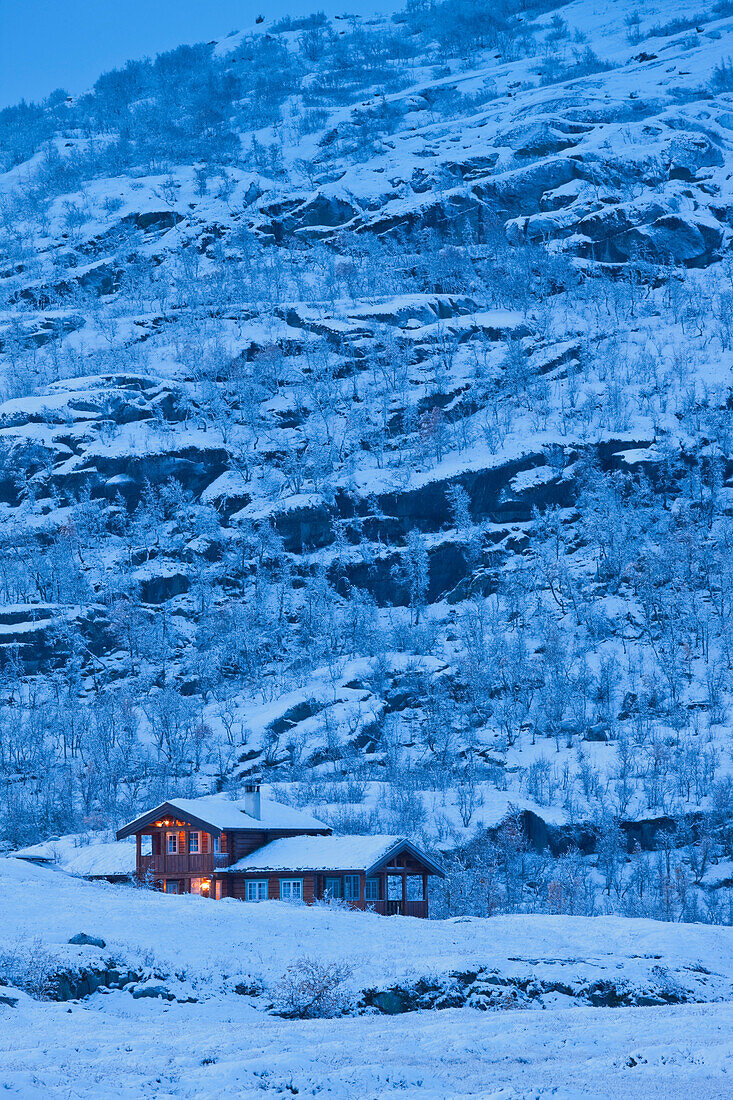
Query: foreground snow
x,y
228,1044
138,1049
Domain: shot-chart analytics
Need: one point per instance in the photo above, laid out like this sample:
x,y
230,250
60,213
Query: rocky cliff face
x,y
377,426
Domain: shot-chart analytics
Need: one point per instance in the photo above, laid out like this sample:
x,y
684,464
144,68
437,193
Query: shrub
x,y
30,967
310,989
722,78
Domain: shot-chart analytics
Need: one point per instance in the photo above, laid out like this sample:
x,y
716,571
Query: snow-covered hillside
x,y
368,426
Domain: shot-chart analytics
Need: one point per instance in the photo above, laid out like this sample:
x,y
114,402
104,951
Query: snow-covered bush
x,y
27,965
309,989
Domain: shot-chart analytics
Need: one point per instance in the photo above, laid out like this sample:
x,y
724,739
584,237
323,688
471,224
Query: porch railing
x,y
194,863
389,908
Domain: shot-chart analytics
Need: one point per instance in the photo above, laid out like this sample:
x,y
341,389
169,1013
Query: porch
x,y
167,865
398,891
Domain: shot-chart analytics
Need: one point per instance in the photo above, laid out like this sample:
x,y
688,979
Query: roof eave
x,y
165,809
421,856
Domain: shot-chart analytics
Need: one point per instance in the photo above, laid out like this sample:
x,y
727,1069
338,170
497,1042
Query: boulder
x,y
81,939
151,990
673,238
391,1002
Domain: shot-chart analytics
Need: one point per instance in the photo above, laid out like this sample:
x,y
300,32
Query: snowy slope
x,y
215,946
201,1051
368,425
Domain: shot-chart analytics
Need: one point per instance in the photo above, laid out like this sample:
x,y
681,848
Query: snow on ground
x,y
140,1049
228,1044
214,944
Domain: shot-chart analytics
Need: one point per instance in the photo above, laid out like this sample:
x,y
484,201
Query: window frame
x,y
351,883
370,885
290,882
171,850
336,891
256,884
191,850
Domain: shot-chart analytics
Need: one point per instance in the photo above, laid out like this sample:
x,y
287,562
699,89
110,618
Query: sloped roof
x,y
219,813
101,860
329,853
91,859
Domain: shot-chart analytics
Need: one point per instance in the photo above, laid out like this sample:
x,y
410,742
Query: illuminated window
x,y
291,889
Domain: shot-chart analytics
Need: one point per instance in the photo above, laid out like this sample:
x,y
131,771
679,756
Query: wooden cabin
x,y
256,849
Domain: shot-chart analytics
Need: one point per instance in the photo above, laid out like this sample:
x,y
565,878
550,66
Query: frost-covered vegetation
x,y
368,424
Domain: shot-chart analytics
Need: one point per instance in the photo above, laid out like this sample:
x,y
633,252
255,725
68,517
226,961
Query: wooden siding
x,y
184,865
244,843
237,885
314,883
165,866
234,845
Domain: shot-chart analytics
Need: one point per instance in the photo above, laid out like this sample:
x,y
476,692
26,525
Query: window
x,y
352,888
215,845
371,890
257,889
193,843
332,888
172,844
172,886
291,889
146,845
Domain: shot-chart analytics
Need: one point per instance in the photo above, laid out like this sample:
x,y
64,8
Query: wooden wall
x,y
241,844
237,885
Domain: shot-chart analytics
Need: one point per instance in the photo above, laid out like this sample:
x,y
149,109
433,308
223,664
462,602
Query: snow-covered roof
x,y
101,860
221,812
83,856
328,853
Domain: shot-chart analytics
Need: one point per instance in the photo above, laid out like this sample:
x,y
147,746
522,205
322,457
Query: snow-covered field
x,y
135,1049
213,945
225,1043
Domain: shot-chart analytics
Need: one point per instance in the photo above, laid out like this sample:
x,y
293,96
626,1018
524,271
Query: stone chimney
x,y
252,798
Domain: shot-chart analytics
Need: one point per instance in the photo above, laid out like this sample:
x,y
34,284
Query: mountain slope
x,y
368,425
